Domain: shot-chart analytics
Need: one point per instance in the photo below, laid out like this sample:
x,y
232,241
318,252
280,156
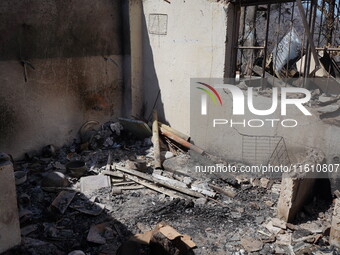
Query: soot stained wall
x,y
76,56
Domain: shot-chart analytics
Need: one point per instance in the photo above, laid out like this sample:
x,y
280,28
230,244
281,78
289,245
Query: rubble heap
x,y
102,194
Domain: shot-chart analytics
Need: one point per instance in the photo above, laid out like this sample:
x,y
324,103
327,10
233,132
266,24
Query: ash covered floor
x,y
109,213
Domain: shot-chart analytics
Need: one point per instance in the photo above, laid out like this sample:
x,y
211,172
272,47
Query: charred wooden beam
x,y
155,141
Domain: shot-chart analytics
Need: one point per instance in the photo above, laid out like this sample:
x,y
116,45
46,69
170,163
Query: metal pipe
x,y
265,47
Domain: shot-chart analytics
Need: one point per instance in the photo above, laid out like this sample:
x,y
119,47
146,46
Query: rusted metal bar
x,y
328,49
182,142
309,35
155,141
250,47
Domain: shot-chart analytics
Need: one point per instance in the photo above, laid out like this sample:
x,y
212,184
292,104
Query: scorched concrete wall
x,y
75,49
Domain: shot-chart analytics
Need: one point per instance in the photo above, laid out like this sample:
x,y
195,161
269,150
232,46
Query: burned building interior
x,y
105,149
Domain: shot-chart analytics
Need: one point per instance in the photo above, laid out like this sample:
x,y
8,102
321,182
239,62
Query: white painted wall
x,y
194,46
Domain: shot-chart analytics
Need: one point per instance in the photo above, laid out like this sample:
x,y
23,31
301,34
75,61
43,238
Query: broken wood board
x,y
203,190
113,174
155,141
159,182
155,188
118,190
228,191
58,189
123,183
169,180
132,187
169,233
174,131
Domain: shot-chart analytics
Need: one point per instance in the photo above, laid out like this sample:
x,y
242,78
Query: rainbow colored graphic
x,y
211,92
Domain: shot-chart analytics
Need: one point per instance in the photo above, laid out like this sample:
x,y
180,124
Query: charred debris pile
x,y
128,188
